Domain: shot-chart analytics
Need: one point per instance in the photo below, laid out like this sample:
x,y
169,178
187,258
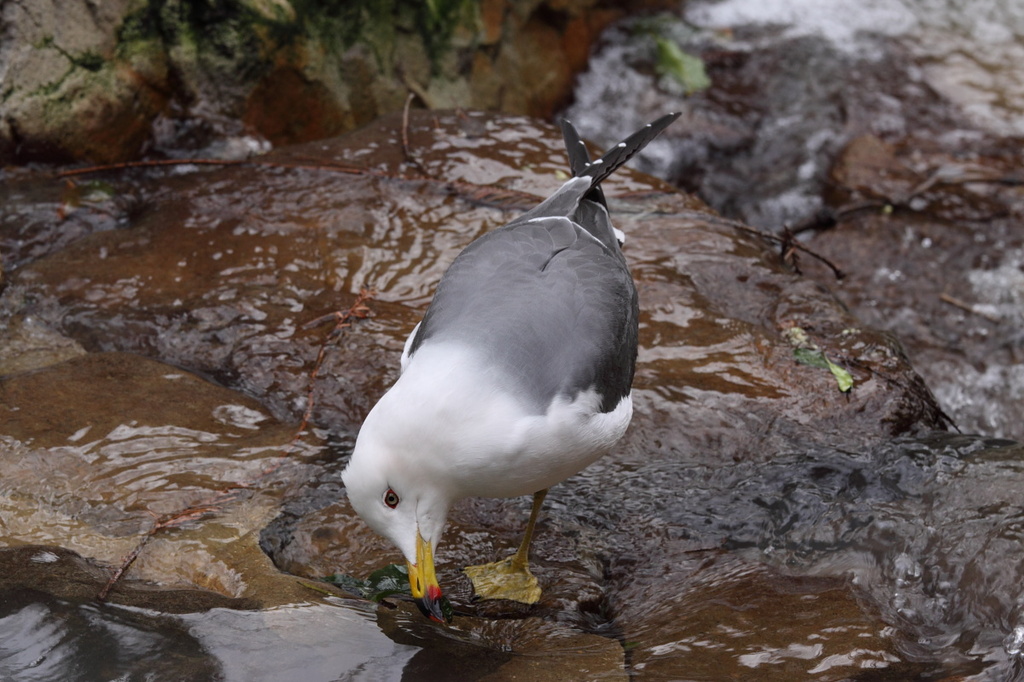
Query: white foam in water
x,y
1014,642
44,557
1001,289
971,51
841,22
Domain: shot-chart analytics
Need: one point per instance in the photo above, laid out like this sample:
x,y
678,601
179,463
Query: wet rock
x,y
727,619
907,530
758,143
891,122
25,345
43,215
204,281
63,574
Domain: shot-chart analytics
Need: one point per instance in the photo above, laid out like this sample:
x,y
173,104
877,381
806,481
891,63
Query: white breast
x,y
453,418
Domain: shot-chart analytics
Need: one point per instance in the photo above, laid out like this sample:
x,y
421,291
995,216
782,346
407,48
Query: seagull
x,y
518,376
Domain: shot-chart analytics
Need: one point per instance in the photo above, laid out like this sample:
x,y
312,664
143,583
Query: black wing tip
x,y
575,148
579,157
650,131
625,150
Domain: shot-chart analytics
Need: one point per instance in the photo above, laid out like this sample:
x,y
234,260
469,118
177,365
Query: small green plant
x,y
806,353
683,67
381,584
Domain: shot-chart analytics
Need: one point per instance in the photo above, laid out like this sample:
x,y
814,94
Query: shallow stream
x,y
755,523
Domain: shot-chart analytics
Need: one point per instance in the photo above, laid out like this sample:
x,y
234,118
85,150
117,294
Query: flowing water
x,y
796,85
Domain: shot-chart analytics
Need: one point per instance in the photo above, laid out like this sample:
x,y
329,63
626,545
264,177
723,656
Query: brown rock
x,y
107,84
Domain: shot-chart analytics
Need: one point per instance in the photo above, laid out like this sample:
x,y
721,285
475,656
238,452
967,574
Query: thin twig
x,y
788,250
405,126
151,163
123,568
782,241
406,148
159,163
952,174
342,319
417,89
946,298
483,194
498,197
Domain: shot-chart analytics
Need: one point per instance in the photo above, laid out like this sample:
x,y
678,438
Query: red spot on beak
x,y
434,593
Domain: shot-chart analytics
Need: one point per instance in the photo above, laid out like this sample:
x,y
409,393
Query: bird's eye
x,y
391,498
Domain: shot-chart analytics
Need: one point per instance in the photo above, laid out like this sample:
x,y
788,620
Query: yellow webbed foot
x,y
508,579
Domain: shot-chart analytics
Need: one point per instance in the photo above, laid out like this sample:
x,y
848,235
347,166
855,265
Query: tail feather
x,y
623,151
579,159
586,185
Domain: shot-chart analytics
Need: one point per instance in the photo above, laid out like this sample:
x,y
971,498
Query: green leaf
x,y
347,583
384,582
814,357
685,68
381,584
447,610
843,378
811,357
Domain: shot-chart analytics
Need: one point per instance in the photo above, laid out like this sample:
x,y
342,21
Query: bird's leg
x,y
521,559
511,578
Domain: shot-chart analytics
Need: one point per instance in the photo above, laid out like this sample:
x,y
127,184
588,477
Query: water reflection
x,y
43,638
317,643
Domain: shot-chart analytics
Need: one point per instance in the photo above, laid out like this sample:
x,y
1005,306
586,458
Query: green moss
x,y
217,37
439,20
233,29
88,60
687,69
666,35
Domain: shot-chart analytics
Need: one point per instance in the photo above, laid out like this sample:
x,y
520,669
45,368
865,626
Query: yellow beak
x,y
423,582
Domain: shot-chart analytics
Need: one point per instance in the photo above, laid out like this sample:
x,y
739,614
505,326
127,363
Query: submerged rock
x,y
221,272
98,449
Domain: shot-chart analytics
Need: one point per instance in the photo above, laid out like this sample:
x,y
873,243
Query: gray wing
x,y
548,298
547,303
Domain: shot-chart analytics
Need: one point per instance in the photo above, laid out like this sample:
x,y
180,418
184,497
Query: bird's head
x,y
394,497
